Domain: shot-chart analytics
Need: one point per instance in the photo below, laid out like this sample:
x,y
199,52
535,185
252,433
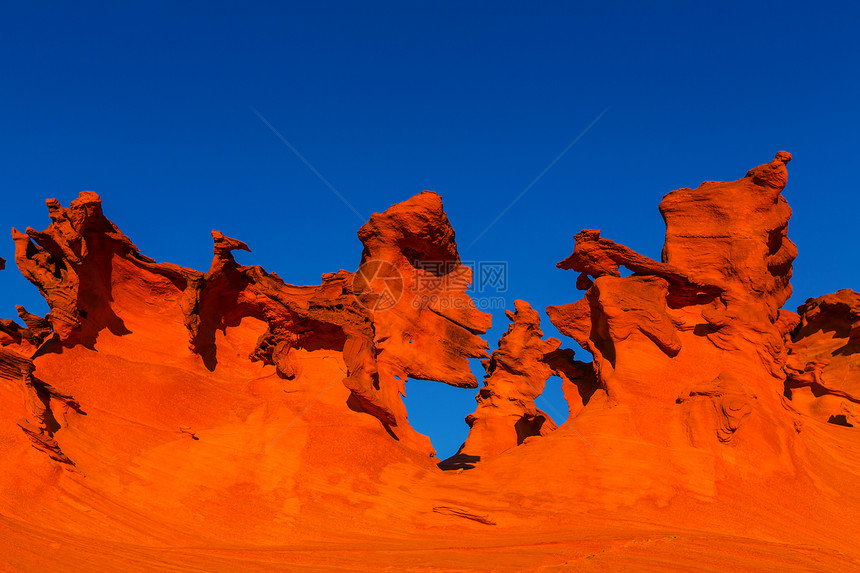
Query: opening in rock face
x,y
840,420
439,411
552,401
295,436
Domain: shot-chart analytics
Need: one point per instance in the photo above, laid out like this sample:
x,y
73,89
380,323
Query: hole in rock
x,y
438,410
552,401
840,420
775,239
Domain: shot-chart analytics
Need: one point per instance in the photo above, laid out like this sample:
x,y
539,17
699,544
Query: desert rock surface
x,y
167,418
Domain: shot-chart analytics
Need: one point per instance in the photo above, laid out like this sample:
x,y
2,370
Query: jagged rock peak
x,y
734,235
406,303
517,371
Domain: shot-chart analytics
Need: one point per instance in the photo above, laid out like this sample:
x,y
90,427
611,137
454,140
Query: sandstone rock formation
x,y
714,300
692,348
412,280
516,374
165,418
380,318
823,367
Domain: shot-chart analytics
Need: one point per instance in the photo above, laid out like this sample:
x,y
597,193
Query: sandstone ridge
x,y
166,418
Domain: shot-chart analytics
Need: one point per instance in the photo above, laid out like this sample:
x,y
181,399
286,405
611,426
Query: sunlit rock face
x,y
161,417
823,366
516,374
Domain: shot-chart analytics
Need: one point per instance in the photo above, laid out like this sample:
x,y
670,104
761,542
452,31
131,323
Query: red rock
x,y
161,417
689,352
87,269
725,274
734,235
425,324
823,362
516,374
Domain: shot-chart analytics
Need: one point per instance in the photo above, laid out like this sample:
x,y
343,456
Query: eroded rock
x,y
404,313
516,375
824,359
725,272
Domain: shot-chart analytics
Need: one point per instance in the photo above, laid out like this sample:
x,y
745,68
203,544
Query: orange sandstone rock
x,y
161,417
425,324
824,359
516,374
87,270
734,235
725,274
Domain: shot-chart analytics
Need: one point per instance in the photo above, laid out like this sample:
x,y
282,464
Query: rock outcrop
x,y
38,399
692,348
717,292
404,313
734,235
425,324
516,374
823,367
162,417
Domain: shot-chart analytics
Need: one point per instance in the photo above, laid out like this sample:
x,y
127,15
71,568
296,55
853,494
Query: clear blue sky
x,y
151,107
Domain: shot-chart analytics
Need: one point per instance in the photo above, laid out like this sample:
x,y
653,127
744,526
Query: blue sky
x,y
152,107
